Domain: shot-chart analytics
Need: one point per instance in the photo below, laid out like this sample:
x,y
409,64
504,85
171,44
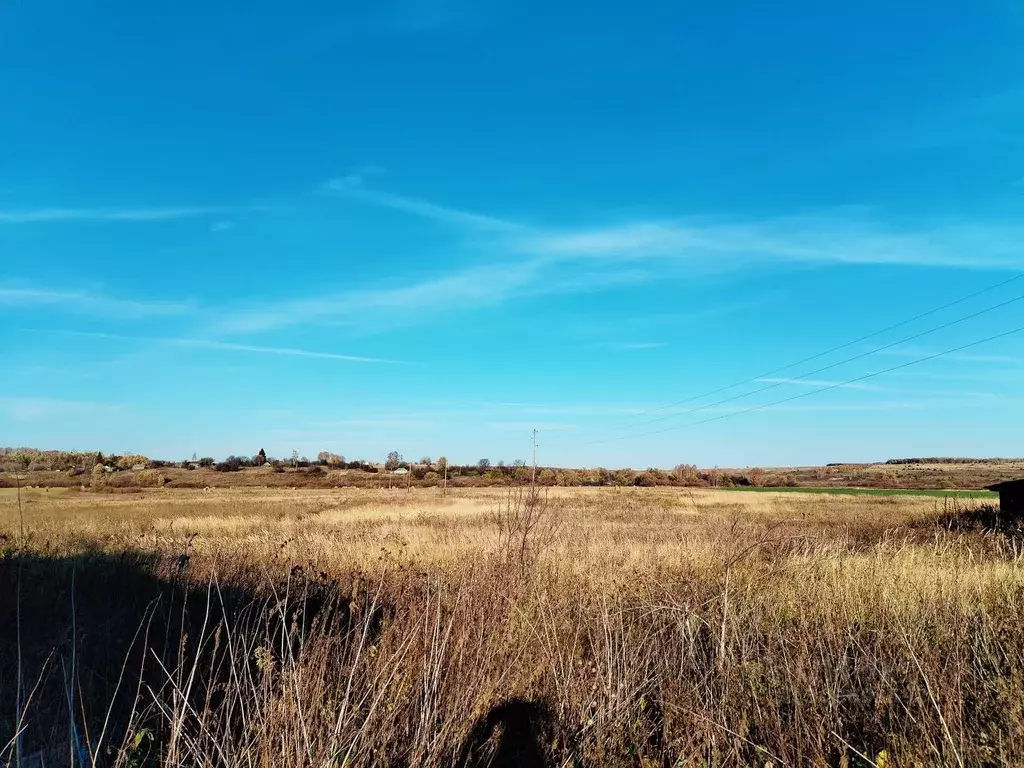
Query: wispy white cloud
x,y
964,357
208,344
45,215
531,261
371,422
887,405
633,344
87,302
818,383
352,186
830,237
964,373
600,327
844,235
221,345
525,427
467,288
222,226
29,409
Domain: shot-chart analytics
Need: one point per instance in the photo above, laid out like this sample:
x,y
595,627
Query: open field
x,y
581,626
932,492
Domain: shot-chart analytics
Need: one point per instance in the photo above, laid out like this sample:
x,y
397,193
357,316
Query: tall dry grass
x,y
639,627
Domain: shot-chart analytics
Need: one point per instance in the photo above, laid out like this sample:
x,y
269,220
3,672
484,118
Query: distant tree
x,y
132,460
441,465
756,477
687,474
149,478
230,464
393,461
261,458
194,458
624,476
295,458
425,461
323,457
484,463
645,479
713,477
206,461
518,463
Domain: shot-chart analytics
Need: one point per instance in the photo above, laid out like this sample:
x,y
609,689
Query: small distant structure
x,y
138,467
400,471
1011,497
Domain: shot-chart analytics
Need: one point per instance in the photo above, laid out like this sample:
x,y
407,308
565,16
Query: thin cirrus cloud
x,y
467,288
352,187
534,261
832,237
87,302
964,357
207,344
841,235
633,345
30,409
50,215
221,345
818,383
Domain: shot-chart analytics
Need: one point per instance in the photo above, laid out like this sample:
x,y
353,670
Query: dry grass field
x,y
575,627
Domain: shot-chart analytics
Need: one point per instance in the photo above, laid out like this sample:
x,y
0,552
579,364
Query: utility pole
x,y
533,478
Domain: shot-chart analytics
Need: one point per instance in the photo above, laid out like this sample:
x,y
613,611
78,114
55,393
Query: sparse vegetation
x,y
616,626
55,468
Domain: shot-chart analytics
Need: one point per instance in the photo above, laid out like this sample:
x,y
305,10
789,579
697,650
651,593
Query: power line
x,y
829,367
816,391
847,344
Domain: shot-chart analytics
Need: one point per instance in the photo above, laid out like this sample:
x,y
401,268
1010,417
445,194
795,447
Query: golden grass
x,y
634,626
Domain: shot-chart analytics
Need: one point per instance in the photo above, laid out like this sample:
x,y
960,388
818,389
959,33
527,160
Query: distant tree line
x,y
426,471
953,460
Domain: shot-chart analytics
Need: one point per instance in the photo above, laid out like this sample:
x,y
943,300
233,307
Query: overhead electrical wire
x,y
845,345
801,395
830,366
752,379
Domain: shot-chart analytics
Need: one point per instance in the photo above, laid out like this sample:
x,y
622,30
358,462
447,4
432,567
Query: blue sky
x,y
433,226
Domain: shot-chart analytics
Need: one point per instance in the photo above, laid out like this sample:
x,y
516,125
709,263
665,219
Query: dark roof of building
x,y
1007,485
